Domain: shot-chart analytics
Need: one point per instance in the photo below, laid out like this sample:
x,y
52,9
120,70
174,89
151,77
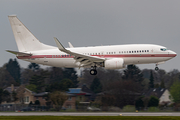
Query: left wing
x,y
84,60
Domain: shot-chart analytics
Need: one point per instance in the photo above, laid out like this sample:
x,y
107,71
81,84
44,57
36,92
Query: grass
x,y
89,117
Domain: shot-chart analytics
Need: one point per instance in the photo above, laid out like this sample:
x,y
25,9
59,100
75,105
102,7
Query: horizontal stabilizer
x,y
19,53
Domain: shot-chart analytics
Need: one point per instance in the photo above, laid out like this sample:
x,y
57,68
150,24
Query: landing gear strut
x,y
156,68
93,71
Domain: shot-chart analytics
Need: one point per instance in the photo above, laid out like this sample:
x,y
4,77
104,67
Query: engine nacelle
x,y
115,63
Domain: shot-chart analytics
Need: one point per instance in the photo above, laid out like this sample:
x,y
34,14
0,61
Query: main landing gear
x,y
156,68
93,71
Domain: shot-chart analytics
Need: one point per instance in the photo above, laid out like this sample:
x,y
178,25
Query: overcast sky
x,y
95,22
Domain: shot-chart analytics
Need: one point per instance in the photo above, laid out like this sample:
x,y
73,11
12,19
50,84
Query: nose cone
x,y
172,53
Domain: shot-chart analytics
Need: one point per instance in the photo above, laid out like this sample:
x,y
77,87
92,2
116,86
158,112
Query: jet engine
x,y
115,63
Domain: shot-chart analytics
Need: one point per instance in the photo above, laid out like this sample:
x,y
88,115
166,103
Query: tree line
x,y
113,87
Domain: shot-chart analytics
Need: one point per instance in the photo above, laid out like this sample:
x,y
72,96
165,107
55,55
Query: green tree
x,y
34,66
14,69
96,86
4,95
153,102
5,78
58,98
71,74
26,75
55,75
39,80
175,91
63,85
151,83
162,85
133,73
139,102
32,87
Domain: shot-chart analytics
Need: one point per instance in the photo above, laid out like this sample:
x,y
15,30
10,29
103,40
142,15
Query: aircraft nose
x,y
172,53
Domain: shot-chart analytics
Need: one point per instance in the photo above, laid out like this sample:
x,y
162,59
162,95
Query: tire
x,y
156,68
93,72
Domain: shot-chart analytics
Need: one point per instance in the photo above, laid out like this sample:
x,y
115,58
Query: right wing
x,y
84,60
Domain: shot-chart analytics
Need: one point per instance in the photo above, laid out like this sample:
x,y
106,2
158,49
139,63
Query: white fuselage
x,y
131,54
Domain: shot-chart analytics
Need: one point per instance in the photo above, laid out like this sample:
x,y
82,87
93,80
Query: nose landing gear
x,y
156,68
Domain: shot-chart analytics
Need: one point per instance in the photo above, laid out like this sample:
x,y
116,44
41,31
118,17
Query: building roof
x,y
84,90
9,89
155,92
74,90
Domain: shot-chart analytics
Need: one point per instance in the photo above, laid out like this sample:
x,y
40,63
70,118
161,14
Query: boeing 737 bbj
x,y
109,57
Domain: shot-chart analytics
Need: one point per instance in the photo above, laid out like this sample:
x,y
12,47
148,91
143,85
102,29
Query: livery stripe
x,y
102,56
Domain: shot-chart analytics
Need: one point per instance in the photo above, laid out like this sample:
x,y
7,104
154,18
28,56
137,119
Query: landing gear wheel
x,y
156,68
93,72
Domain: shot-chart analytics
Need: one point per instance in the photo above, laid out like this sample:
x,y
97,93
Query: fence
x,y
23,107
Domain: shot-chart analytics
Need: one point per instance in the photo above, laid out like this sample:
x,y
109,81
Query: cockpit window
x,y
163,49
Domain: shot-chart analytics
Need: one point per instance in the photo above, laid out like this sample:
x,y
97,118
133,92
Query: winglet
x,y
59,45
70,45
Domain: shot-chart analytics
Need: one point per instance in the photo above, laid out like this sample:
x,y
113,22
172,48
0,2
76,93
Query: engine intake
x,y
115,63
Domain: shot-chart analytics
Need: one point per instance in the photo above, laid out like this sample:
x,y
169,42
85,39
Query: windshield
x,y
163,49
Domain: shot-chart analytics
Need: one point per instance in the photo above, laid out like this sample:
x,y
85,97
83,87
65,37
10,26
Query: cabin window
x,y
129,51
147,50
142,50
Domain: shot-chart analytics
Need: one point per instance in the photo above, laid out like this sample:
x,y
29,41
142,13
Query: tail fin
x,y
25,40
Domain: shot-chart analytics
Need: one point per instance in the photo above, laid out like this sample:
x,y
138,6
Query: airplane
x,y
109,57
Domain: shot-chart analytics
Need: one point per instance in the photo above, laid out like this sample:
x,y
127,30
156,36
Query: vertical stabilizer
x,y
25,40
